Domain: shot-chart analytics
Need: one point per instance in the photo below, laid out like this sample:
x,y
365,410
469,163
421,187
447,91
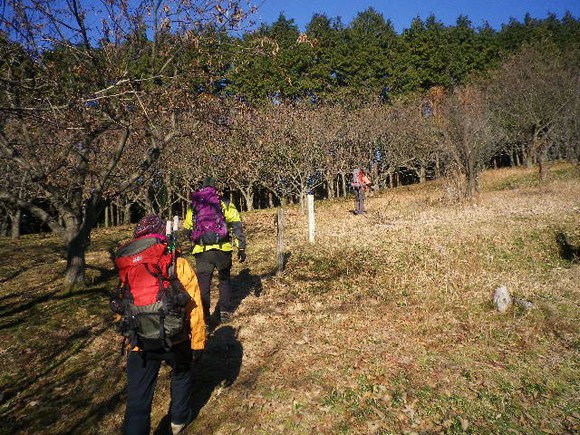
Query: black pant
x,y
360,200
205,263
142,372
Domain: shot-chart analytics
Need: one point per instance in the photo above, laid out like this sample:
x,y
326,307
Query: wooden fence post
x,y
280,245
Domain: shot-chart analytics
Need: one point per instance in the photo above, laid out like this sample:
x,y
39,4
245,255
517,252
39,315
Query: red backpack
x,y
150,298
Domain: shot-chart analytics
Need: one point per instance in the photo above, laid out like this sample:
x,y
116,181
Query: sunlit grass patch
x,y
518,178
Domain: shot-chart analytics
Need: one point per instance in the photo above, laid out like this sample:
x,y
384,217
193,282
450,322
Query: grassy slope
x,y
384,325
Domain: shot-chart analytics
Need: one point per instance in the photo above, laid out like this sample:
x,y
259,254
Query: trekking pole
x,y
168,232
171,232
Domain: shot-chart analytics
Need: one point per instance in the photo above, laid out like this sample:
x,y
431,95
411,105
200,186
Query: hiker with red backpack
x,y
360,183
213,221
159,302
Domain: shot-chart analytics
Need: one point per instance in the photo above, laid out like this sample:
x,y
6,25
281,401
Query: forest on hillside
x,y
109,112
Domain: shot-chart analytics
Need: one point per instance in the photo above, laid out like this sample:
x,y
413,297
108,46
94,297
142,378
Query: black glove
x,y
196,355
242,255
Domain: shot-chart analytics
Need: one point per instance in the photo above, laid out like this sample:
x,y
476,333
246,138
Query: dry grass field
x,y
384,325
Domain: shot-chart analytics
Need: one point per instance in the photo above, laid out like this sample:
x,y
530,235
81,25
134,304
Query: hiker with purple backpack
x,y
213,221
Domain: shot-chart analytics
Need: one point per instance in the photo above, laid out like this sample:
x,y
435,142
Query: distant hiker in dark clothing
x,y
212,221
360,183
142,277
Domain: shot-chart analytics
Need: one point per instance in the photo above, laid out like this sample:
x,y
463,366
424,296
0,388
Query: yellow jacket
x,y
234,223
187,277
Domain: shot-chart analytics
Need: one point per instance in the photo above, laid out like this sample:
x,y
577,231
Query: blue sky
x,y
401,12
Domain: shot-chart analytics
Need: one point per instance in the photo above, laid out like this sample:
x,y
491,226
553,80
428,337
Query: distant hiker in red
x,y
160,305
216,228
360,183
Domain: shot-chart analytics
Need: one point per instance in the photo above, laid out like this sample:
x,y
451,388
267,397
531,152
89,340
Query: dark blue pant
x,y
142,372
205,263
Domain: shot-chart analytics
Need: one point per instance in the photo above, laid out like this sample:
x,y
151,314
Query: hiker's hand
x,y
196,355
242,255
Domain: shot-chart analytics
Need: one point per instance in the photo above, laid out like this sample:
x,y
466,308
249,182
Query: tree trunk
x,y
471,179
127,213
422,174
15,219
107,221
517,158
77,237
330,189
374,172
528,157
75,262
241,203
118,216
249,198
4,225
270,200
542,168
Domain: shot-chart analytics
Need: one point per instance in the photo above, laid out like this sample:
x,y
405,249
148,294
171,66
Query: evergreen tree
x,y
371,44
325,37
273,63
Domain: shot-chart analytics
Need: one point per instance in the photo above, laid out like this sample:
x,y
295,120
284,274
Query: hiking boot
x,y
177,428
225,316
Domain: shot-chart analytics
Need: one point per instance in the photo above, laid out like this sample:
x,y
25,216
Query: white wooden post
x,y
311,220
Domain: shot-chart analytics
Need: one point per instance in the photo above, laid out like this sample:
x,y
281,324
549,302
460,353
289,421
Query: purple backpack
x,y
210,226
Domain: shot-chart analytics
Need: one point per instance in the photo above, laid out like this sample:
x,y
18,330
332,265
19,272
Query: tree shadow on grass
x,y
7,310
13,275
16,306
73,378
69,348
14,314
218,368
568,251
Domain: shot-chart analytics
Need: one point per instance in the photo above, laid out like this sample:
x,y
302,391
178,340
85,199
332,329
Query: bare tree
x,y
469,137
534,92
91,103
295,153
